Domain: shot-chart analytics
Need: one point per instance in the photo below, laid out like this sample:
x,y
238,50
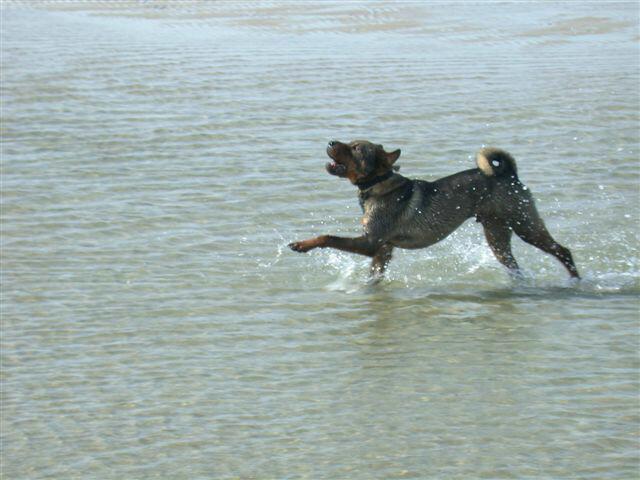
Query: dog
x,y
403,213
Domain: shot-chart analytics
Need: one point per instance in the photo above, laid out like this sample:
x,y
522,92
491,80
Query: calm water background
x,y
157,157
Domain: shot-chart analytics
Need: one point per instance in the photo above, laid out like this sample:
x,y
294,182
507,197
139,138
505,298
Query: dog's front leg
x,y
381,260
379,263
361,245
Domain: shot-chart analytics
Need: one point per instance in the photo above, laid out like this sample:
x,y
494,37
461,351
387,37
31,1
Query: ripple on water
x,y
157,158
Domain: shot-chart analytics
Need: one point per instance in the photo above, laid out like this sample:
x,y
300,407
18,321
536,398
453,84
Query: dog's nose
x,y
333,143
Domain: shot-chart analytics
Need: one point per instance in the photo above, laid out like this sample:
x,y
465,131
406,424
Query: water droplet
x,y
601,187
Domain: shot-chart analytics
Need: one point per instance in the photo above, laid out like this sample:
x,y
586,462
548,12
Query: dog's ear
x,y
386,159
392,157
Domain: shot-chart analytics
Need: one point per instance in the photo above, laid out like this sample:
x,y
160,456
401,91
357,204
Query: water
x,y
157,157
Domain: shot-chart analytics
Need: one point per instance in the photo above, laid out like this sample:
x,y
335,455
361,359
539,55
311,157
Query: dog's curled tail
x,y
494,162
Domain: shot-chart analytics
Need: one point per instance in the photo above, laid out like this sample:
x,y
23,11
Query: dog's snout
x,y
333,143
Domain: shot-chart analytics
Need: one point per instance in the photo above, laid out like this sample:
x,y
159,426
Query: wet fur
x,y
404,213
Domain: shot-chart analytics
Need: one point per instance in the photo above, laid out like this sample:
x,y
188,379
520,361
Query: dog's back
x,y
418,213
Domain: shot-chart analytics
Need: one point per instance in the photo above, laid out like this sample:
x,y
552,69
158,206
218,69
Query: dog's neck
x,y
383,187
367,184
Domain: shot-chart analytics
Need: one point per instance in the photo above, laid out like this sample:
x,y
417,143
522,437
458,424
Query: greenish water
x,y
157,157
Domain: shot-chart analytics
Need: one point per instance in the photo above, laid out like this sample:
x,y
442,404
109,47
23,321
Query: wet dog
x,y
404,213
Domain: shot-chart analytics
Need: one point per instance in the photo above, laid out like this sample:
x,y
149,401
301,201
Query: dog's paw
x,y
302,247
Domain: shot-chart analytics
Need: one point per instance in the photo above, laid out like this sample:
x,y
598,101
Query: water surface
x,y
157,157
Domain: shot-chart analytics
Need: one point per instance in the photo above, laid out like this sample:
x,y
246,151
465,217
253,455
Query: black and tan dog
x,y
404,213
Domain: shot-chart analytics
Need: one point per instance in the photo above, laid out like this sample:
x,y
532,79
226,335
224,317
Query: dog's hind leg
x,y
533,231
498,236
380,261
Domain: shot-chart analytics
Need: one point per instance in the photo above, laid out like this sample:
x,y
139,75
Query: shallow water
x,y
157,157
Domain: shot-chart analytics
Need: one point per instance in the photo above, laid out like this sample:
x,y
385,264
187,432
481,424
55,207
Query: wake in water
x,y
463,262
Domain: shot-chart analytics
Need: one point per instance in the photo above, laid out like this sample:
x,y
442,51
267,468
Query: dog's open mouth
x,y
335,168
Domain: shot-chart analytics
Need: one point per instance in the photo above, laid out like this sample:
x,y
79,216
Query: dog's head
x,y
360,160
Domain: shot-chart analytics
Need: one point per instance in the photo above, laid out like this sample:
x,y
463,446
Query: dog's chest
x,y
368,209
378,215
